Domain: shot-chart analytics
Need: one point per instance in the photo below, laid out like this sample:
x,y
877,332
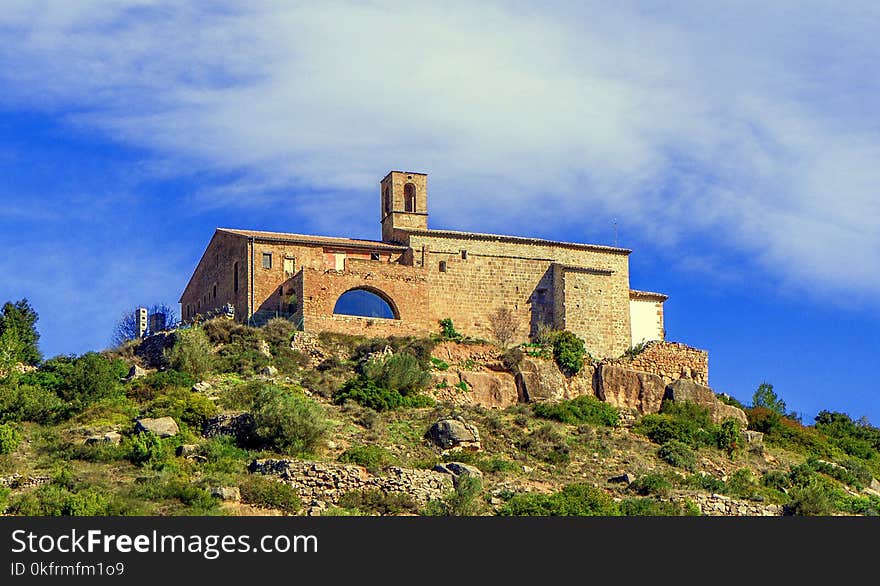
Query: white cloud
x,y
744,127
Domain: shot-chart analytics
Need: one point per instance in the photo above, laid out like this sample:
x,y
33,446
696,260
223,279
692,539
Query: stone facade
x,y
425,276
671,361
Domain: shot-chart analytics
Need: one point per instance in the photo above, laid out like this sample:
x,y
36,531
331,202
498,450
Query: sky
x,y
733,146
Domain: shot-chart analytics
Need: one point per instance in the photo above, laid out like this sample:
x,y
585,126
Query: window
x,y
267,260
289,265
339,261
386,201
375,256
464,255
215,290
409,197
235,277
442,266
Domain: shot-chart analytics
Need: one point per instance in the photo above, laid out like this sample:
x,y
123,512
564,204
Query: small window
x,y
464,255
442,266
267,260
339,261
235,277
215,290
289,265
409,197
375,256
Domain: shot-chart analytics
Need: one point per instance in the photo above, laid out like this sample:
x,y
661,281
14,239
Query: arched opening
x,y
409,197
386,201
365,302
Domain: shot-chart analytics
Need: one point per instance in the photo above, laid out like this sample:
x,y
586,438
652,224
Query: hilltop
x,y
221,418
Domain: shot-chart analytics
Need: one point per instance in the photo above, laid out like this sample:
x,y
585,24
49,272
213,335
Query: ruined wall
x,y
404,287
518,274
671,361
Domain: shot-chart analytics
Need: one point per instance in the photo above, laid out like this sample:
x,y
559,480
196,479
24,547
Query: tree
x,y
765,397
127,326
18,333
504,326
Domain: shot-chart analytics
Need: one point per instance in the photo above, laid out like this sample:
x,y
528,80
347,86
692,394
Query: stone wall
x,y
215,273
671,361
718,505
321,484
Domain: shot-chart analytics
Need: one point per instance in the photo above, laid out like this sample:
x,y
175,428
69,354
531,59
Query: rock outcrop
x,y
490,389
162,426
455,433
152,349
630,389
684,390
238,425
540,380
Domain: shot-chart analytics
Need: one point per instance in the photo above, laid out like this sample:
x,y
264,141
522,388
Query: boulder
x,y
226,493
625,478
187,450
582,383
201,387
540,380
754,441
874,488
162,426
111,437
238,425
135,372
454,434
690,392
492,390
458,470
630,389
269,371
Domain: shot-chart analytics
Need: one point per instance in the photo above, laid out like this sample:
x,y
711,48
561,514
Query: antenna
x,y
614,221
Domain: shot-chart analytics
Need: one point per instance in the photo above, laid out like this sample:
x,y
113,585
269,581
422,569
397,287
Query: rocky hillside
x,y
225,419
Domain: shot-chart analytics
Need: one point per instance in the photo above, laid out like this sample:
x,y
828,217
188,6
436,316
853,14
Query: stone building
x,y
415,276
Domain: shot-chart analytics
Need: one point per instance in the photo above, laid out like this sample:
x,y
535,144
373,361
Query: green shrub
x,y
742,484
291,423
145,449
26,402
278,332
705,482
581,410
634,351
678,454
367,393
52,500
776,480
183,405
273,494
219,330
447,330
224,455
661,428
651,484
398,372
192,353
812,499
547,444
378,501
729,436
581,500
765,397
569,352
373,458
179,490
89,379
439,364
242,396
9,438
464,501
4,499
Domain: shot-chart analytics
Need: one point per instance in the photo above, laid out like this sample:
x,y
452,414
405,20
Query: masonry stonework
x,y
425,276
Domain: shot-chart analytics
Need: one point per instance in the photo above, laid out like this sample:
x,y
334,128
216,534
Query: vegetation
x,y
373,458
18,335
192,352
580,500
569,352
581,410
272,494
289,422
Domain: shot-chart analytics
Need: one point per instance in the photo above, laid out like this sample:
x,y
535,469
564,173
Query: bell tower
x,y
404,199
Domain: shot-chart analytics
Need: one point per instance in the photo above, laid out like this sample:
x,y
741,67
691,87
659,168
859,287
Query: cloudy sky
x,y
735,145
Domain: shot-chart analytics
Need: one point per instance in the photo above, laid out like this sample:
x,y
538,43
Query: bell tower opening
x,y
404,203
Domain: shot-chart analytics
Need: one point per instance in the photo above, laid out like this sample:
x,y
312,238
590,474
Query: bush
x,y
278,332
813,499
89,379
569,352
183,405
25,402
4,499
581,500
464,501
729,436
661,428
581,410
145,449
742,484
378,501
373,458
367,393
192,353
547,444
291,423
9,438
52,500
447,330
273,494
651,484
678,454
765,397
164,379
776,480
398,372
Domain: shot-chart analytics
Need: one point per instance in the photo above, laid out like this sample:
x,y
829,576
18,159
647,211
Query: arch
x,y
386,201
409,197
366,302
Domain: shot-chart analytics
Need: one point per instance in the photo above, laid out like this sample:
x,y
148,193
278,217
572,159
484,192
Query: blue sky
x,y
734,143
